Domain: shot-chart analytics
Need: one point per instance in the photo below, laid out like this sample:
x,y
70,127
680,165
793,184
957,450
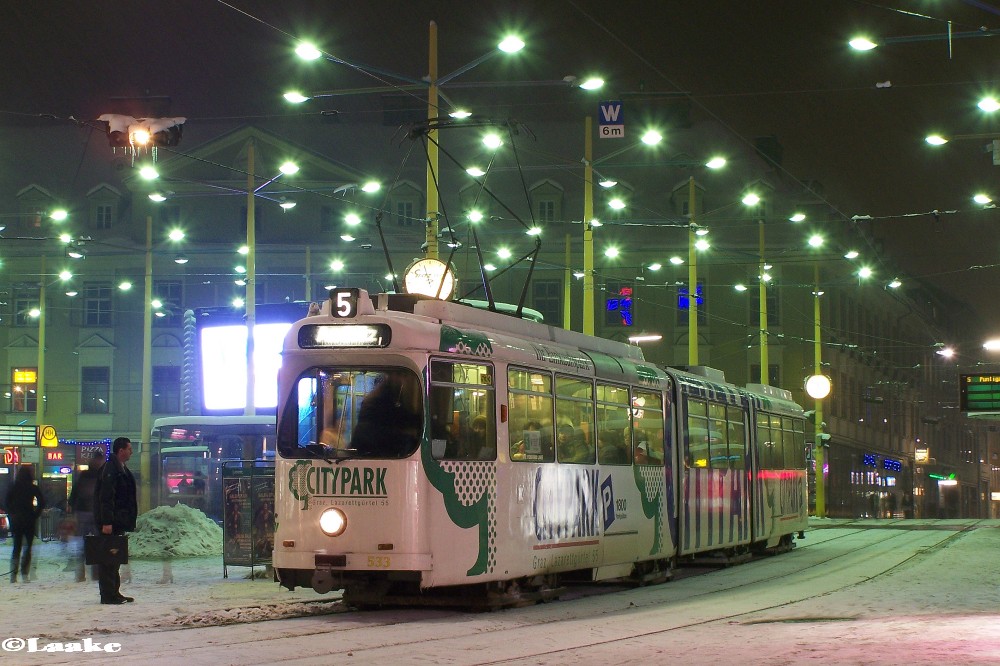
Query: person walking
x,y
25,503
115,511
81,502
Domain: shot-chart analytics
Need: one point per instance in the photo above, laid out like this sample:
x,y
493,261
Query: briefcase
x,y
106,549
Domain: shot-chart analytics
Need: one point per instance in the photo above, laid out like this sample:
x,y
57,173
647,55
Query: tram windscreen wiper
x,y
328,453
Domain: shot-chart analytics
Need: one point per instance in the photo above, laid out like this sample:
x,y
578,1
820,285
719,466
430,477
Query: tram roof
x,y
471,315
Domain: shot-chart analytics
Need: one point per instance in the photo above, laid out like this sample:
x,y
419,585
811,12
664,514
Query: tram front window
x,y
353,413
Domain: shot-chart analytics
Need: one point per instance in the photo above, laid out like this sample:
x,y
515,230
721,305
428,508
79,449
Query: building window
x,y
23,389
166,389
773,314
326,223
171,311
545,210
472,289
25,300
618,304
546,297
773,370
404,213
684,304
95,390
97,304
103,216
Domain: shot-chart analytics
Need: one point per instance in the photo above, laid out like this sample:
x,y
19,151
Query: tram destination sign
x,y
979,394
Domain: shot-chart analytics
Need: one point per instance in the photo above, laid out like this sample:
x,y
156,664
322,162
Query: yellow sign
x,y
25,377
47,436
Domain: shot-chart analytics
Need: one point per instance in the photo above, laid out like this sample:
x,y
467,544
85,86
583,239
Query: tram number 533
x,y
378,561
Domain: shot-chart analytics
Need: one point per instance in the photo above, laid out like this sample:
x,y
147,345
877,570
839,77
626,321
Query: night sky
x,y
768,67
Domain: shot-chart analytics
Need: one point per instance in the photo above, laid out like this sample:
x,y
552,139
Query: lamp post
x,y
650,138
432,83
58,215
752,200
714,163
40,379
818,389
588,229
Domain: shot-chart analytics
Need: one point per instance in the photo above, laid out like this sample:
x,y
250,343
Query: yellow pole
x,y
432,150
251,302
146,419
818,370
567,288
40,379
692,280
309,290
765,374
588,231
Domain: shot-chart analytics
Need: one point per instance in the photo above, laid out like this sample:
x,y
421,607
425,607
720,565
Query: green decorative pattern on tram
x,y
650,481
465,342
297,481
647,375
469,491
476,482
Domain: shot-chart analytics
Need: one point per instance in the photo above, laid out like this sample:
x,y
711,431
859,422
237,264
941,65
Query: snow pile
x,y
174,531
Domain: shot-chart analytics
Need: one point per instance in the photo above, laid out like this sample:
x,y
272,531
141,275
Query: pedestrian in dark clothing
x,y
115,511
24,505
81,502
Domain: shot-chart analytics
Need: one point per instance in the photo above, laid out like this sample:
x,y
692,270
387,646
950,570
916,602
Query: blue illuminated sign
x,y
621,303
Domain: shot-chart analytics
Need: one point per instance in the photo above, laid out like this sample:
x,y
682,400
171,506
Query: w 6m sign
x,y
610,120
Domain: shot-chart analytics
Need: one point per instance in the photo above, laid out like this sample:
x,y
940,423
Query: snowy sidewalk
x,y
55,607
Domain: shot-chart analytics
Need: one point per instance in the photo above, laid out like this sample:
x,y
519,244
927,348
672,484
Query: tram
x,y
432,452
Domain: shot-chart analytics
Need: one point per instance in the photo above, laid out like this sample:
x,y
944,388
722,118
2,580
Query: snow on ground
x,y
939,604
55,607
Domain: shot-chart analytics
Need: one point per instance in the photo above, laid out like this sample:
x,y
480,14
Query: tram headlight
x,y
333,522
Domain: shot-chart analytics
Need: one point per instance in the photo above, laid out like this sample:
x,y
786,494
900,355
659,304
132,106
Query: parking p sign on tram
x,y
610,120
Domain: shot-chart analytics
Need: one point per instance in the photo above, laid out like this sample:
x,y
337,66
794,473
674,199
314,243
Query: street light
x,y
510,44
752,200
649,138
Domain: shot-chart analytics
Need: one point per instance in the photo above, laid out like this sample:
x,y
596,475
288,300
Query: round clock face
x,y
429,277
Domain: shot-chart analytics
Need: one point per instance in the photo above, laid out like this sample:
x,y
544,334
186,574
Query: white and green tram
x,y
432,452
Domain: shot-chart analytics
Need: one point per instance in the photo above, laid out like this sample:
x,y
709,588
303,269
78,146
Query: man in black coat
x,y
115,510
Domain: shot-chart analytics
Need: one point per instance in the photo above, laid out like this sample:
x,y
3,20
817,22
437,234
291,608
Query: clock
x,y
430,277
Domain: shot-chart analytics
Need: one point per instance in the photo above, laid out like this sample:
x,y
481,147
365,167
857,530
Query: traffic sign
x,y
610,120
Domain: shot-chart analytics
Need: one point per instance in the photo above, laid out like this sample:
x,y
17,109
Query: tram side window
x,y
737,438
765,446
530,430
463,418
647,428
799,448
778,438
575,420
717,431
697,453
794,440
353,413
614,442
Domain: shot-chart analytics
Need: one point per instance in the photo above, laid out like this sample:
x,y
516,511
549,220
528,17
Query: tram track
x,y
553,631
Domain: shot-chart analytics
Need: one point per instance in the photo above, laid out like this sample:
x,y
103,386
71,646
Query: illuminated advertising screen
x,y
222,350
